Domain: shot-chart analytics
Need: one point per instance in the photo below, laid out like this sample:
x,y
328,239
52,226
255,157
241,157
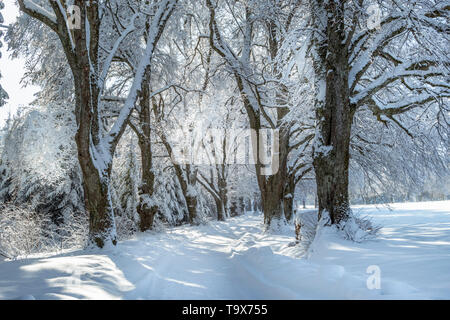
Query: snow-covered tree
x,y
248,36
390,62
40,174
90,43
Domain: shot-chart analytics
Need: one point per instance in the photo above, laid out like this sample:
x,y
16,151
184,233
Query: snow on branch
x,y
38,12
159,21
362,54
403,104
107,64
362,61
63,13
421,68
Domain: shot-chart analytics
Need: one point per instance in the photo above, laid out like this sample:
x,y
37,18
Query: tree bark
x,y
191,202
220,210
334,117
95,169
289,198
272,208
223,194
273,187
146,209
288,208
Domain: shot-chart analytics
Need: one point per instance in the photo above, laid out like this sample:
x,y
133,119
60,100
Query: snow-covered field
x,y
235,260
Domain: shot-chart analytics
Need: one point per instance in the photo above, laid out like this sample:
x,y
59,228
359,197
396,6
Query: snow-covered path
x,y
235,260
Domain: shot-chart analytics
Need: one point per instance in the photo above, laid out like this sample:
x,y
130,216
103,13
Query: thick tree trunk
x,y
187,181
223,193
332,182
95,166
97,202
220,210
272,196
96,172
191,202
334,119
288,207
241,204
273,209
273,187
146,209
289,198
190,194
187,186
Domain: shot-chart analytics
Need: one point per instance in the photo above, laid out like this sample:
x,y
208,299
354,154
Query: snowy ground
x,y
234,260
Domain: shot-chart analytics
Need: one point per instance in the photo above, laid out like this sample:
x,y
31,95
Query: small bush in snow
x,y
359,229
356,228
24,232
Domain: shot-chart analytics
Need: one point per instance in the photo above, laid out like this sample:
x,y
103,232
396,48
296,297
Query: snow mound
x,y
360,229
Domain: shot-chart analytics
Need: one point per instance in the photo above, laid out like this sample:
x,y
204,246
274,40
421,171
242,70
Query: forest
x,y
155,115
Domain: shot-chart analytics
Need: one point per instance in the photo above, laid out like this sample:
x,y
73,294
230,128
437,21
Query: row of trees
x,y
121,76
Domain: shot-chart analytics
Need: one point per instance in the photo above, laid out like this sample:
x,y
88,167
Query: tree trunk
x,y
334,118
96,179
288,207
272,208
220,210
95,167
191,202
222,185
273,187
289,198
146,209
97,202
